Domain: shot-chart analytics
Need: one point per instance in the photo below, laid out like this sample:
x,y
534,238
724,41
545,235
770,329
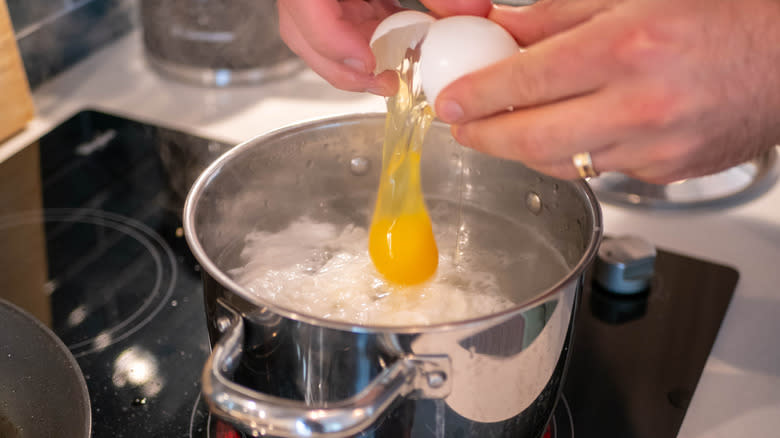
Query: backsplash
x,y
55,34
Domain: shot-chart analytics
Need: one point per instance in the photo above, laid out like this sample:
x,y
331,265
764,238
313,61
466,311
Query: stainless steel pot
x,y
279,372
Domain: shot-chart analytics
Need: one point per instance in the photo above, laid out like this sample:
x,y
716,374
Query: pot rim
x,y
191,204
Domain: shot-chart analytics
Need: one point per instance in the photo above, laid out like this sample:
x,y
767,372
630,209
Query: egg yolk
x,y
401,242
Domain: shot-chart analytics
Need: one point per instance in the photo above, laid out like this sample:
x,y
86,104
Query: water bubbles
x,y
359,166
329,274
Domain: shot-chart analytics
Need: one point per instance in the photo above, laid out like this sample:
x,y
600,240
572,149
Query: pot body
x,y
274,371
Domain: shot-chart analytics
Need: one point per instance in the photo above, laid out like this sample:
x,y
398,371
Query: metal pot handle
x,y
412,376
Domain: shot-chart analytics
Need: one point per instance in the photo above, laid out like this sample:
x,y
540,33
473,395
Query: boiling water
x,y
321,268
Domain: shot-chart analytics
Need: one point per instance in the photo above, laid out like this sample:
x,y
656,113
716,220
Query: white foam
x,y
323,270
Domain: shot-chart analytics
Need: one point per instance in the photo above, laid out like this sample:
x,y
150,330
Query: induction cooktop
x,y
90,223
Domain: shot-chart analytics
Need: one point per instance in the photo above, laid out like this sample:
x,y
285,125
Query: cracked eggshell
x,y
395,34
456,46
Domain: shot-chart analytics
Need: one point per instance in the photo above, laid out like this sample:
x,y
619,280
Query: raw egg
x,y
427,55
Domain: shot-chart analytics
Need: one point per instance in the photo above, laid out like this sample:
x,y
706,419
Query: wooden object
x,y
24,270
16,105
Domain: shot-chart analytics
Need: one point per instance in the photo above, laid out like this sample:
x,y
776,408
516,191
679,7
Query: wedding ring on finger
x,y
584,164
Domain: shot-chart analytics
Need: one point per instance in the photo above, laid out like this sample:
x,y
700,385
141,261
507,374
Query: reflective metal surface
x,y
427,377
42,389
736,184
505,367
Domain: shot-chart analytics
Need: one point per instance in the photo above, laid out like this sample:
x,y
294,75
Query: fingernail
x,y
450,111
356,64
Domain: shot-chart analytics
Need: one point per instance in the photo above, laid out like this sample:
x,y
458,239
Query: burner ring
x,y
562,423
151,241
198,409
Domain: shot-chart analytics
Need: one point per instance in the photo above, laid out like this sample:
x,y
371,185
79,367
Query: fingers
x,y
530,24
323,26
445,8
655,160
525,79
555,69
339,74
548,134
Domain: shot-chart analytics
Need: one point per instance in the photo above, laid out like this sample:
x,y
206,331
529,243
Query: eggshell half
x,y
395,34
456,46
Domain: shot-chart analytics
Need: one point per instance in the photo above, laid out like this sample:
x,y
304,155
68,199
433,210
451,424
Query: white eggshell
x,y
401,19
395,34
456,46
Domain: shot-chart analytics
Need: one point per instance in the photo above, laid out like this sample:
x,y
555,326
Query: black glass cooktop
x,y
90,224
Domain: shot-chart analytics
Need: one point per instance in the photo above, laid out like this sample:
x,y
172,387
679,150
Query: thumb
x,y
533,23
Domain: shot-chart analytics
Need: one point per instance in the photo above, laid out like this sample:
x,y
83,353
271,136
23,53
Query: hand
x,y
658,89
332,36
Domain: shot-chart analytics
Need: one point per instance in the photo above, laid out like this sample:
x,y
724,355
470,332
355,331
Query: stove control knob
x,y
625,264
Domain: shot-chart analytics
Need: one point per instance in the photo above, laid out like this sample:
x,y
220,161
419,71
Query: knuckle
x,y
533,147
653,110
666,153
650,44
525,88
542,140
673,155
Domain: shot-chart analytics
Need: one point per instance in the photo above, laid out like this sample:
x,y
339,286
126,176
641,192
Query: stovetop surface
x,y
95,248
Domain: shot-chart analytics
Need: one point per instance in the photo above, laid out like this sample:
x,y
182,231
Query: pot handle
x,y
413,376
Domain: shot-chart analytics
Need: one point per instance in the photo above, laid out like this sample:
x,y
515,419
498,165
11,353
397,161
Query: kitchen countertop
x,y
739,392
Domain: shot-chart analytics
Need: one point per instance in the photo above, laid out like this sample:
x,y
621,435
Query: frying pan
x,y
42,390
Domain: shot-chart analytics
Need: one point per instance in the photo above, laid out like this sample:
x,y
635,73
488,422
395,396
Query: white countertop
x,y
739,392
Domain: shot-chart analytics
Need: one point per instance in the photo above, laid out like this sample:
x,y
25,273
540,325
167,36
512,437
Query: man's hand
x,y
658,89
332,36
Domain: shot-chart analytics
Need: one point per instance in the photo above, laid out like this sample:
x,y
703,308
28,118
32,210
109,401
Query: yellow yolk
x,y
403,249
401,241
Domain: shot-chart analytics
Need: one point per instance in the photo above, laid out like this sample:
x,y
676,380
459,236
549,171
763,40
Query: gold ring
x,y
584,164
